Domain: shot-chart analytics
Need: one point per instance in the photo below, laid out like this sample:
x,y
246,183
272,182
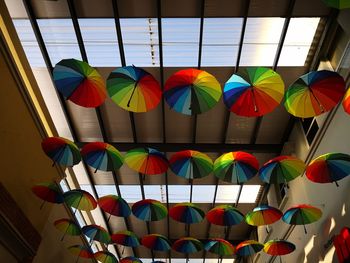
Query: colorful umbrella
x,y
156,242
67,226
346,102
48,192
61,151
134,89
281,170
126,238
191,164
105,257
79,83
328,168
220,247
97,233
302,215
236,167
278,247
147,161
314,93
130,260
81,251
187,245
263,215
253,91
149,210
338,4
102,156
225,215
80,200
187,213
192,91
114,205
248,248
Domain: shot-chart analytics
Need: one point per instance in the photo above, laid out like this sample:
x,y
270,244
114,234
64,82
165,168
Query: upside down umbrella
x,y
61,151
314,93
48,192
156,242
114,205
225,215
253,91
346,102
81,251
187,245
80,199
67,226
78,82
97,233
248,248
187,213
301,215
149,210
105,257
328,168
134,89
130,260
192,91
338,4
263,215
236,167
220,247
278,247
102,156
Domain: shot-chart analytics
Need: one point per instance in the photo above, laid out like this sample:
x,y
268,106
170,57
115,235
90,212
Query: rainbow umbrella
x,y
134,89
314,93
253,91
248,248
114,205
61,151
79,83
130,260
328,168
67,226
192,91
81,251
156,242
302,215
220,247
147,161
48,192
346,102
97,233
225,215
191,164
126,238
278,247
263,215
236,167
102,156
80,199
187,213
281,170
105,257
149,210
187,245
338,4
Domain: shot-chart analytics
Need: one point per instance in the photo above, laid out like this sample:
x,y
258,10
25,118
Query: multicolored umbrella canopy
x,y
147,161
81,251
346,102
278,247
248,248
126,238
301,215
49,192
105,257
188,213
102,156
187,245
97,233
191,164
220,247
79,83
80,199
149,210
263,215
67,226
134,89
281,169
328,168
314,93
225,215
253,91
192,91
61,151
338,4
130,260
156,242
236,167
114,205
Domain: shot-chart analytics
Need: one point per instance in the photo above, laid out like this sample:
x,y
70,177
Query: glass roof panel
x,y
249,193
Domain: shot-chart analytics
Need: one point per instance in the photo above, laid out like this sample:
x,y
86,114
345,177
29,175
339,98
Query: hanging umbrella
x,y
156,242
338,4
346,102
314,93
48,192
253,91
67,226
147,161
149,210
80,199
328,168
220,247
126,238
302,215
79,83
134,89
105,257
263,215
81,251
192,91
187,245
278,247
236,167
102,156
225,215
130,260
114,205
97,233
191,164
187,213
248,248
281,170
61,151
